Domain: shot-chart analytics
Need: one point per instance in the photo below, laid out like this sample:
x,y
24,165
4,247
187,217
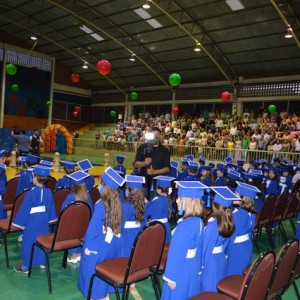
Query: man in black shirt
x,y
152,158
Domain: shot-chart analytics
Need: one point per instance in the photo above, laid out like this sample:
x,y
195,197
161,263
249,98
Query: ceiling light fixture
x,y
132,57
85,65
289,33
197,47
34,38
146,5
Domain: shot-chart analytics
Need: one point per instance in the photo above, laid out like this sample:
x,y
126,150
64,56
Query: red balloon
x,y
175,110
75,77
104,67
77,108
225,96
75,114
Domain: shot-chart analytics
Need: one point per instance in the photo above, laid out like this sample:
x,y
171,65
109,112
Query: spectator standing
x,y
97,137
23,142
35,143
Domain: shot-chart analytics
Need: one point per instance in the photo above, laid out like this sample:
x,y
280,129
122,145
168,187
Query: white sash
x,y
37,209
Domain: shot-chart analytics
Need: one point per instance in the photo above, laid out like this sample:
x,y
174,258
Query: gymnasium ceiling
x,y
245,43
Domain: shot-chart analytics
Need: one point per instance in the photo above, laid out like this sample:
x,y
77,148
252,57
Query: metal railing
x,y
210,153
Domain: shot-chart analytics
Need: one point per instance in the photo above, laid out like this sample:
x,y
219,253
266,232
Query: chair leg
x,y
5,249
118,293
282,232
48,273
64,261
31,258
293,225
296,289
125,293
256,244
159,285
91,287
154,283
269,234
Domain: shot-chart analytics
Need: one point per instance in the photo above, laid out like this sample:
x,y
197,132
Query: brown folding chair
x,y
252,286
264,220
9,196
51,183
279,212
284,269
95,194
6,225
68,235
292,210
59,196
144,261
296,274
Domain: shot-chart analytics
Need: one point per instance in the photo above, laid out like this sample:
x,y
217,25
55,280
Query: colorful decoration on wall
x,y
49,138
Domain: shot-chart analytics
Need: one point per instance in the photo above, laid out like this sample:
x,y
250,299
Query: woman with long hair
x,y
133,212
244,220
102,240
184,257
79,193
216,234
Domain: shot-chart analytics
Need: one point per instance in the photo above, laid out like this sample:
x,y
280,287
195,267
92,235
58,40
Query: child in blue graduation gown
x,y
192,171
3,214
285,182
216,234
103,237
34,216
184,169
80,193
85,165
133,212
158,208
272,184
298,227
3,158
184,257
66,182
220,181
208,180
119,167
240,248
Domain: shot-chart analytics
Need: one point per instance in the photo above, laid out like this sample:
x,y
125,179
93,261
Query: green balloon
x,y
48,103
272,108
11,69
15,87
174,79
133,96
112,113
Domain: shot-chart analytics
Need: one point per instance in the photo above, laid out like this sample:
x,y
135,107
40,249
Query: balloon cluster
x,y
76,111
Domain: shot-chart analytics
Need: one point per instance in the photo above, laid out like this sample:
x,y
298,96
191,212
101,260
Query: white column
x,y
3,87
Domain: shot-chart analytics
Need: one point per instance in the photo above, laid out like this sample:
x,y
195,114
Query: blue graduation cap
x,y
193,165
228,159
295,161
247,176
46,163
247,190
231,166
2,167
211,164
256,173
222,169
134,182
32,158
2,153
206,168
78,177
41,170
69,165
190,156
85,165
164,181
286,161
22,159
185,161
277,159
273,169
174,164
262,161
112,178
120,158
224,196
191,189
220,165
240,162
233,174
202,160
254,163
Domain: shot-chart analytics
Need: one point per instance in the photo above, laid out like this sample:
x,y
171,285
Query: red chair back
x,y
281,207
8,197
59,197
293,205
284,266
51,183
266,214
258,278
151,241
73,222
95,194
16,206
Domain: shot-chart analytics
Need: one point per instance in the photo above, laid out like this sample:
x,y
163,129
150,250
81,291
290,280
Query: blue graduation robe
x,y
25,181
182,175
120,168
3,214
298,227
98,246
90,182
34,216
158,209
184,260
64,182
272,187
3,176
206,196
285,184
220,181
